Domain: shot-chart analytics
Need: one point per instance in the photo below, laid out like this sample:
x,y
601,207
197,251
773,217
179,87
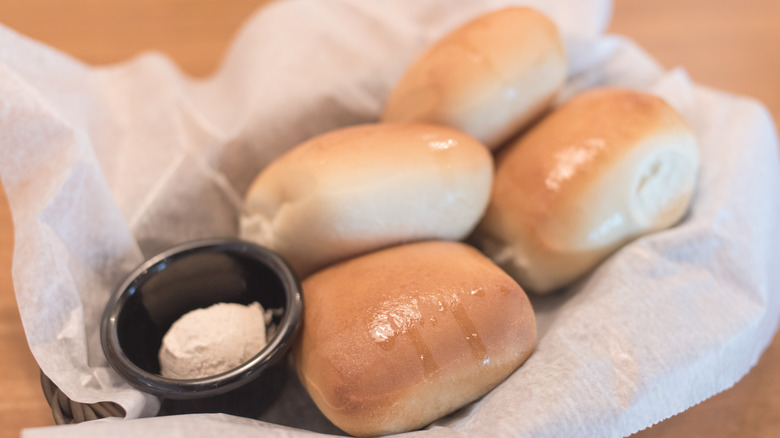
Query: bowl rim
x,y
275,348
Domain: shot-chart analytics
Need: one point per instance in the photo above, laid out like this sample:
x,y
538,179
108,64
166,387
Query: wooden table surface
x,y
724,44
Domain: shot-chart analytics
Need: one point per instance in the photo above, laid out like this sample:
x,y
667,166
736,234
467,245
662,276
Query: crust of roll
x,y
608,166
366,187
489,78
395,339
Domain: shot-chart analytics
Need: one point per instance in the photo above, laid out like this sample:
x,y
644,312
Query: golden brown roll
x,y
395,339
605,168
488,78
366,187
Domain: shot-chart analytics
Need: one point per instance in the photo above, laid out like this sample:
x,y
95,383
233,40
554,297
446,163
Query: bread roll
x,y
488,78
362,188
395,339
605,168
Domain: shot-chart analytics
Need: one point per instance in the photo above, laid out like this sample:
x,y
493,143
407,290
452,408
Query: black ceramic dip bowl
x,y
188,277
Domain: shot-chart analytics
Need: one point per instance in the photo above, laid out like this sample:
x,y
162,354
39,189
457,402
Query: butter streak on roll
x,y
363,188
608,166
488,78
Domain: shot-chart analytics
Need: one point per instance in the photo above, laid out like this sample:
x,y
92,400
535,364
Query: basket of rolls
x,y
513,229
399,334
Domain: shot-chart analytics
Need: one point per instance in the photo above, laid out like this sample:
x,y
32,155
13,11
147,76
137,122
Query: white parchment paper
x,y
104,167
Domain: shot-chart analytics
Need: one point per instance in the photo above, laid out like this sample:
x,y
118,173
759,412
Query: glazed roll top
x,y
488,78
366,187
395,339
606,167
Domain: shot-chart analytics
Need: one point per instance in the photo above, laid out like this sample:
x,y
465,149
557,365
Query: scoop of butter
x,y
210,341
